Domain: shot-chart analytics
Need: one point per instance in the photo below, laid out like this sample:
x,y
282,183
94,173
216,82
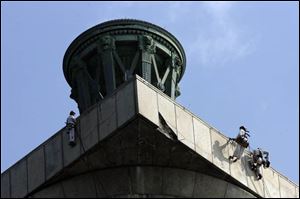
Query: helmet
x,y
72,113
242,127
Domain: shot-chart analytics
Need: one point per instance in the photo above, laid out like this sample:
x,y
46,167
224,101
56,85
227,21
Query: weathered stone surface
x,y
147,102
98,158
19,179
36,168
53,191
130,135
185,127
53,152
237,169
89,128
5,185
271,183
129,155
167,109
125,103
220,150
81,166
180,156
209,187
140,142
116,181
113,151
82,186
146,180
287,190
108,117
143,196
161,154
70,153
146,146
143,181
178,182
202,139
234,191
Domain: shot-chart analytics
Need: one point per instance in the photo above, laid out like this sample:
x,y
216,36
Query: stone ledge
x,y
145,101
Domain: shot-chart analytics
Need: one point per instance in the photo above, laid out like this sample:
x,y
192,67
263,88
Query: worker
x,y
71,122
259,158
242,143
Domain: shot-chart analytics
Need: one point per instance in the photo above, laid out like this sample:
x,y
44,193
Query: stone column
x,y
147,47
80,92
176,70
85,90
108,46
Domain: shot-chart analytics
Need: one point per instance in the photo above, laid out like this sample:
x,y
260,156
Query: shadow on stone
x,y
218,151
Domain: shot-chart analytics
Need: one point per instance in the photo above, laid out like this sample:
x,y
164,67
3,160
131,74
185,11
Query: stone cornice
x,y
123,27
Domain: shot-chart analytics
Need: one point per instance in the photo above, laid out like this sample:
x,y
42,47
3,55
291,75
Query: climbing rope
x,y
91,167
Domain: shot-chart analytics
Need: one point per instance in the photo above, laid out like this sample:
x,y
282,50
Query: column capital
x,y
146,43
107,43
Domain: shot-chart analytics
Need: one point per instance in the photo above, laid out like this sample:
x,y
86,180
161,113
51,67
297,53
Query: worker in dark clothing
x,y
242,141
71,122
259,158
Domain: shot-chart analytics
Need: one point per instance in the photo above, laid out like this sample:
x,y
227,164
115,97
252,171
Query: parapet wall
x,y
137,98
210,143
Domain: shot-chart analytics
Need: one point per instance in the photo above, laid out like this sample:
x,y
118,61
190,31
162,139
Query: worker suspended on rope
x,y
71,122
259,158
242,143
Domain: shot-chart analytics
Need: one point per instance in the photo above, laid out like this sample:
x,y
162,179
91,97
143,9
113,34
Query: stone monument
x,y
104,57
132,138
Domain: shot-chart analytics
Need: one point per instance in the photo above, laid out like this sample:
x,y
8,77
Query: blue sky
x,y
242,68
